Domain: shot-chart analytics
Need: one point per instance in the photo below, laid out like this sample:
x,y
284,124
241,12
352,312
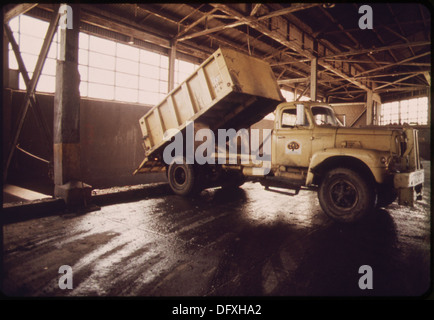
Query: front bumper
x,y
407,180
409,186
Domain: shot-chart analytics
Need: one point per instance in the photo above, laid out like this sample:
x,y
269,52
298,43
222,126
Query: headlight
x,y
394,164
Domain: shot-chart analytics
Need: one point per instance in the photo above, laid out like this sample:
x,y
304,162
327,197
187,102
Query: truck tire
x,y
182,178
345,196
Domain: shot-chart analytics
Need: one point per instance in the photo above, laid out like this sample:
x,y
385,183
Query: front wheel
x,y
346,196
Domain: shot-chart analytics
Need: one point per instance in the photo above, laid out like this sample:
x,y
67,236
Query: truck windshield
x,y
325,117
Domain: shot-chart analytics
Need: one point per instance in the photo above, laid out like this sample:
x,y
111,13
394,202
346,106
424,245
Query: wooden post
x,y
172,59
313,79
67,160
369,107
429,107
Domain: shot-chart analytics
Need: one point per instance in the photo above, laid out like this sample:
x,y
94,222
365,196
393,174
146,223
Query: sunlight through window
x,y
411,111
108,69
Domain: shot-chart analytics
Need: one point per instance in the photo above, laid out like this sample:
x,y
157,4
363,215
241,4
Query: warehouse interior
x,y
71,130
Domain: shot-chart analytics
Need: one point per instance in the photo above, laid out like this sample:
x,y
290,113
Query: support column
x,y
369,107
429,106
66,127
172,58
6,71
373,101
313,79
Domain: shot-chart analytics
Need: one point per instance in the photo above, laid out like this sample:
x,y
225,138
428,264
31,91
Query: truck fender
x,y
370,158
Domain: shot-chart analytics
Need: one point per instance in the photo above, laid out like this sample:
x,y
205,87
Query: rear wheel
x,y
181,177
346,196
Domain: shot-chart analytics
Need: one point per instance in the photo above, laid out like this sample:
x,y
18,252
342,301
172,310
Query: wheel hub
x,y
180,176
344,194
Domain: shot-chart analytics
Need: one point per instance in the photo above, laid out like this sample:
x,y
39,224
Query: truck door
x,y
292,145
325,128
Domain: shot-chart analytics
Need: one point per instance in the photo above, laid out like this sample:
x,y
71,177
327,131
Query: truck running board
x,y
296,191
282,183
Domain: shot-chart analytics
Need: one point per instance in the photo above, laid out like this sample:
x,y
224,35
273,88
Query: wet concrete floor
x,y
250,243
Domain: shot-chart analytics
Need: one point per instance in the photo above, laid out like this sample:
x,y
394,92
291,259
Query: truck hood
x,y
381,139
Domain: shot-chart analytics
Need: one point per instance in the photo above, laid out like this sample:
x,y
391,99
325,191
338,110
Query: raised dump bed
x,y
228,90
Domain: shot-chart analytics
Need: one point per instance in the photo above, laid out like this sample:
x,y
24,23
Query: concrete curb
x,y
16,212
128,194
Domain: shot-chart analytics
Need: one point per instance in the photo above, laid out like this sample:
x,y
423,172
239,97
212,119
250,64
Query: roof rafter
x,y
16,10
247,20
374,50
397,81
291,44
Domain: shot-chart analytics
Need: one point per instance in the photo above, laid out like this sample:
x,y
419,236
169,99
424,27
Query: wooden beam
x,y
189,15
395,64
348,92
374,50
284,41
32,84
415,88
412,64
425,21
400,29
427,77
191,26
293,8
379,37
33,102
370,108
16,10
248,20
172,58
332,19
405,84
209,31
102,19
390,74
396,81
255,8
313,79
121,27
302,93
295,80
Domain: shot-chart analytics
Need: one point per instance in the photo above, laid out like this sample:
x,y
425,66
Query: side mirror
x,y
300,121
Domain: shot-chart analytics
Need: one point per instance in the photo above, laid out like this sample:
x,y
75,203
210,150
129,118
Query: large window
x,y
29,33
182,70
412,111
108,69
116,71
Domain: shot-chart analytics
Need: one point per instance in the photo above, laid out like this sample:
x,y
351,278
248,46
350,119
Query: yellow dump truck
x,y
201,135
